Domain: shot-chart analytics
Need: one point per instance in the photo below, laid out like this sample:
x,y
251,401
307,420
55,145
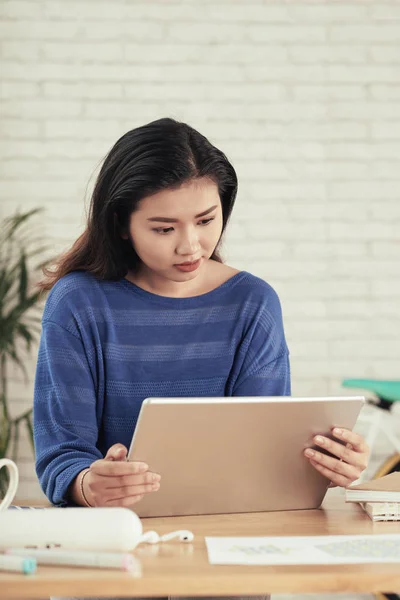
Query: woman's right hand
x,y
114,481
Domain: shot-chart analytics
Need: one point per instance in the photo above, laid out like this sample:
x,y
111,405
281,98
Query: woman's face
x,y
175,231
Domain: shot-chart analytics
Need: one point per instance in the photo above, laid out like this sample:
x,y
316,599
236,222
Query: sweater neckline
x,y
186,301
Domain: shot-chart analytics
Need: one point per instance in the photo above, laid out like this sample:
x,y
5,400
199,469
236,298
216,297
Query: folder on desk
x,y
380,498
383,489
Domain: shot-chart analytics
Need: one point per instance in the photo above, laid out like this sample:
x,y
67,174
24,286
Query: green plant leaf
x,y
12,224
23,278
15,441
22,254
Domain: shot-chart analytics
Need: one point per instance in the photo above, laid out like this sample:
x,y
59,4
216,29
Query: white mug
x,y
13,484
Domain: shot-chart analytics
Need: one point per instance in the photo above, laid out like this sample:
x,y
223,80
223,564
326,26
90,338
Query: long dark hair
x,y
160,155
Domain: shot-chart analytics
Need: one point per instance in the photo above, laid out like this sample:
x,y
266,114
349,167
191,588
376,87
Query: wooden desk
x,y
179,569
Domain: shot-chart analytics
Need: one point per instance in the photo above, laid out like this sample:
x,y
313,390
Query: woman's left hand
x,y
352,457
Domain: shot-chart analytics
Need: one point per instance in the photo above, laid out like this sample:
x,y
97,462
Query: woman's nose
x,y
188,244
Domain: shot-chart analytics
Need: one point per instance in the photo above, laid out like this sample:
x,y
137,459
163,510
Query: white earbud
x,y
152,537
182,535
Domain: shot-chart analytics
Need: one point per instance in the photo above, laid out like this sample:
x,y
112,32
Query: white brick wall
x,y
304,99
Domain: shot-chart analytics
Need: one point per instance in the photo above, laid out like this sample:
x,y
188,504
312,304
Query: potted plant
x,y
19,323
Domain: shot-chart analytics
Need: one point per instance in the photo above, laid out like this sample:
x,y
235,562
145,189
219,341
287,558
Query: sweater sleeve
x,y
262,366
65,411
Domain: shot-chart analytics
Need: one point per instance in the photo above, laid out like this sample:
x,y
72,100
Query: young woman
x,y
142,305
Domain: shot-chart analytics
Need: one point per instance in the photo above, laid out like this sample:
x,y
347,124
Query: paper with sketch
x,y
313,550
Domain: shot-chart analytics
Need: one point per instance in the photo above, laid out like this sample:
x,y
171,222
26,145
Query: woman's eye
x,y
206,221
163,230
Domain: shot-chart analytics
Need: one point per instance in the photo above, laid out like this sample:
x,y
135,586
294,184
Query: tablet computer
x,y
232,455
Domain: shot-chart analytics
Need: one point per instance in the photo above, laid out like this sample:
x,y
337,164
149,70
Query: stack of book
x,y
380,498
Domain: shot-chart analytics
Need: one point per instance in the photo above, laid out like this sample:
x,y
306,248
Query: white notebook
x,y
382,511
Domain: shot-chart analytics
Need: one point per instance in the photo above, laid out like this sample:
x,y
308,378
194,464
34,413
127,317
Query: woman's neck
x,y
212,275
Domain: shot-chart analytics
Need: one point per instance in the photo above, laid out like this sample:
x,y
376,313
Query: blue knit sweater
x,y
108,345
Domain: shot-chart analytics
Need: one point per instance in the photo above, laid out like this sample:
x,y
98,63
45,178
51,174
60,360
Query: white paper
x,y
312,550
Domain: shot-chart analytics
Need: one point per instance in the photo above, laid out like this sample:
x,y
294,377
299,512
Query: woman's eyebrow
x,y
169,220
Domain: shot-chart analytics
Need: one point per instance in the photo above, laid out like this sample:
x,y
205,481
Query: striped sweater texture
x,y
108,345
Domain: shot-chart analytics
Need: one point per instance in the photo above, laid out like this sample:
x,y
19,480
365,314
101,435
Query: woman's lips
x,y
188,266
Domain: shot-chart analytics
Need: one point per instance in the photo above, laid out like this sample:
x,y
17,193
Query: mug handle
x,y
13,485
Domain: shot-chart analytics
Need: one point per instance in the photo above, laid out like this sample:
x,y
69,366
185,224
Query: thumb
x,y
116,452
